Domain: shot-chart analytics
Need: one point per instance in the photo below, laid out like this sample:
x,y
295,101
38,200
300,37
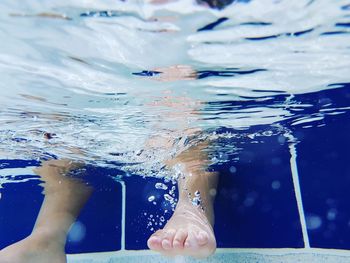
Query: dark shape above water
x,y
289,34
334,33
343,24
212,25
147,73
346,7
256,24
220,4
100,14
224,73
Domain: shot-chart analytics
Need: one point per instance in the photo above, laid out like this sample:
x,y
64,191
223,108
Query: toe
x,y
168,238
202,238
191,241
179,239
155,241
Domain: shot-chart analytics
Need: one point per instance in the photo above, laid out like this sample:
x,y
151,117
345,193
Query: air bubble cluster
x,y
161,186
196,200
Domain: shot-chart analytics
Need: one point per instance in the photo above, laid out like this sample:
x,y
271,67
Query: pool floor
x,y
222,255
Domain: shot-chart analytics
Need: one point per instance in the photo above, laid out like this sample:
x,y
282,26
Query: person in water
x,y
188,232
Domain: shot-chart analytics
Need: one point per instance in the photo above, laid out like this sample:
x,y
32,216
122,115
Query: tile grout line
x,y
296,183
122,238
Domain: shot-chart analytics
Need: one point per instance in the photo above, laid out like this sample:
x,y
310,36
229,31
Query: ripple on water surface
x,y
133,84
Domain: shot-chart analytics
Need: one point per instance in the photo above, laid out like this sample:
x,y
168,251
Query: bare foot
x,y
188,232
37,248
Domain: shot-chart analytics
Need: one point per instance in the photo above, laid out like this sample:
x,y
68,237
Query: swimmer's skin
x,y
64,198
44,15
190,229
188,232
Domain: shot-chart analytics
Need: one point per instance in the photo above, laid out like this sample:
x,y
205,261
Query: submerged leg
x,y
64,198
190,229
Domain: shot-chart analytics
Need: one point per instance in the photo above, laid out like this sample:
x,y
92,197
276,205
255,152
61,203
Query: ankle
x,y
203,210
47,237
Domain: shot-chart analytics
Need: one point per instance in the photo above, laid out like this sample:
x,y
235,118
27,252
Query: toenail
x,y
176,243
152,241
154,238
166,244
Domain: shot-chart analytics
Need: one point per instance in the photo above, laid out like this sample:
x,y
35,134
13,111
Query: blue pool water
x,y
266,83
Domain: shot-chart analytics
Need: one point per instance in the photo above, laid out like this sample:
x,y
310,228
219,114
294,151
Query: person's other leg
x,y
190,229
64,198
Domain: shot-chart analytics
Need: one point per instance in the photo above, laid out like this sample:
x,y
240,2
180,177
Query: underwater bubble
x,y
251,136
276,185
281,139
332,214
167,179
267,133
172,191
77,232
178,168
161,186
196,200
168,198
223,157
213,192
313,222
249,201
151,198
233,169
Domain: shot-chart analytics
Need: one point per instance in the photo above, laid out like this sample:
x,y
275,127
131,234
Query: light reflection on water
x,y
72,79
